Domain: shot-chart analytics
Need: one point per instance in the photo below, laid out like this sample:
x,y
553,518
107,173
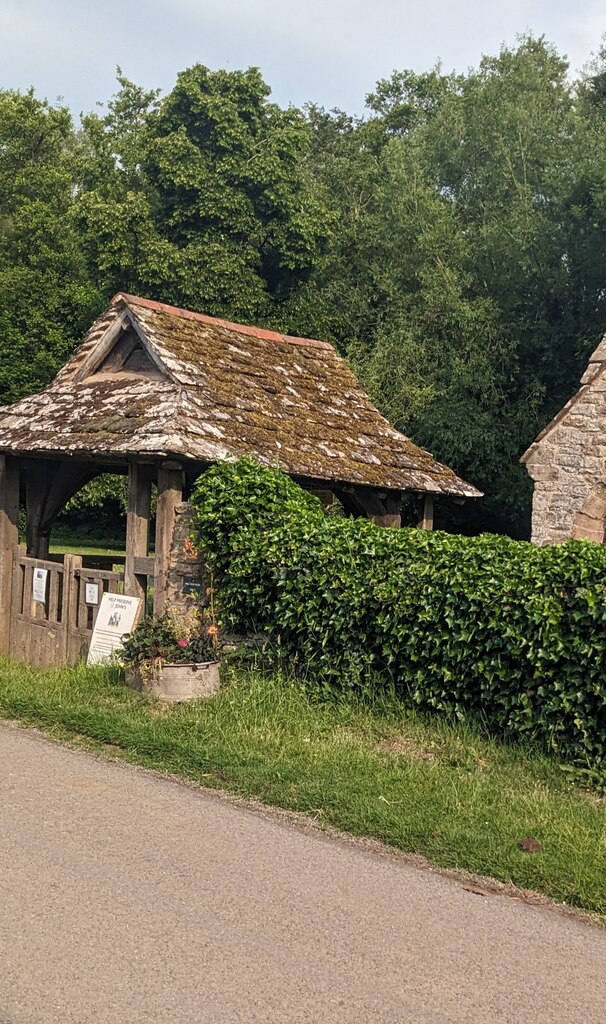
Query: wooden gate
x,y
56,630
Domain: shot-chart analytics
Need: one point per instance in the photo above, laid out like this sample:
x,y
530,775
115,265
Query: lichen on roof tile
x,y
227,390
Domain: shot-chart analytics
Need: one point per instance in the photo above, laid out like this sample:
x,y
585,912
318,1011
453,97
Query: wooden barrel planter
x,y
178,682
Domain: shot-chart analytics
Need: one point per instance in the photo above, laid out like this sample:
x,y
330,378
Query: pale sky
x,y
329,51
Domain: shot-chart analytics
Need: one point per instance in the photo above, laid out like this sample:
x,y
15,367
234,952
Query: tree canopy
x,y
204,198
451,242
47,296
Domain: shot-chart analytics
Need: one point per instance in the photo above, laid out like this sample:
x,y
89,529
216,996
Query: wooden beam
x,y
9,539
170,493
144,566
364,501
137,530
103,347
393,510
49,485
64,481
36,537
426,520
147,347
71,603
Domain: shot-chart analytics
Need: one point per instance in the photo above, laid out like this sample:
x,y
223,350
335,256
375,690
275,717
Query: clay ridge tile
x,y
188,314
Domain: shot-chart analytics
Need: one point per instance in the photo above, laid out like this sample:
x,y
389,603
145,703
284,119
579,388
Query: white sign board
x,y
39,585
91,591
115,620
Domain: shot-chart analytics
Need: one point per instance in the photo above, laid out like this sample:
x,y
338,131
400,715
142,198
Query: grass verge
x,y
425,786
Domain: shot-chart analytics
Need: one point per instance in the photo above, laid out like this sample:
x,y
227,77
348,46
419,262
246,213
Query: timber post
x,y
426,520
9,540
36,489
37,476
71,598
170,493
49,484
136,564
393,511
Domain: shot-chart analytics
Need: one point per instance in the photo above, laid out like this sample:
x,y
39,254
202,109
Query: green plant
x,y
486,626
173,638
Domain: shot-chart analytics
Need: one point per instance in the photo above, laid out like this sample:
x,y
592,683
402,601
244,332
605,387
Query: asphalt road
x,y
126,898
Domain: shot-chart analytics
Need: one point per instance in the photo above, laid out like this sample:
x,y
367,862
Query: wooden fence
x,y
56,630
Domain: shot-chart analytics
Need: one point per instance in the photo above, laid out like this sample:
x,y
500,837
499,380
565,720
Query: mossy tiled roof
x,y
221,390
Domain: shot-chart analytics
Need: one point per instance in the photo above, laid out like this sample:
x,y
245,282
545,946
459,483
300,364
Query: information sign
x,y
116,618
39,582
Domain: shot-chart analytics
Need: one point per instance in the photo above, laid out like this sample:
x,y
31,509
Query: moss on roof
x,y
227,389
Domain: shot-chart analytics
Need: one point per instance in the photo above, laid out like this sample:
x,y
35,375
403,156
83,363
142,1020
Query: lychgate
x,y
160,393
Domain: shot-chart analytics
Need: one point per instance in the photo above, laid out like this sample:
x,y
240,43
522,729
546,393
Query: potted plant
x,y
175,657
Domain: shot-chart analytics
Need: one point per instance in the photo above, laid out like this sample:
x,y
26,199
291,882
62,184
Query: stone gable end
x,y
568,465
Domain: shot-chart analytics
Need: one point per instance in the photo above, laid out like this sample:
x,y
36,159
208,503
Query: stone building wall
x,y
568,464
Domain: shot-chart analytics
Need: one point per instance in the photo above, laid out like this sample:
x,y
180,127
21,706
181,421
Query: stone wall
x,y
186,584
568,465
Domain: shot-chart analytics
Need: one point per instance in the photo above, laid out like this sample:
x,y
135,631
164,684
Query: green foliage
x,y
202,198
46,296
170,639
465,278
451,243
98,510
485,626
97,493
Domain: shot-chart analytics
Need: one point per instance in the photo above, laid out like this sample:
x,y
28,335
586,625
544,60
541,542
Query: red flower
x,y
182,643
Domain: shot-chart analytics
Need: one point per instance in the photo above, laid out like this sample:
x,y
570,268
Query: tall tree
x,y
451,242
209,203
46,297
468,253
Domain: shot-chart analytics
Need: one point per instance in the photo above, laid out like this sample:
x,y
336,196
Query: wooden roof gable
x,y
154,380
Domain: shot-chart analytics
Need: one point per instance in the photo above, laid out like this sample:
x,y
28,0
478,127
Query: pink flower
x,y
182,643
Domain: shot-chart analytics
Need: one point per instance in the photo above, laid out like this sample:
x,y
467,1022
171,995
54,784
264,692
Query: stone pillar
x,y
183,583
186,583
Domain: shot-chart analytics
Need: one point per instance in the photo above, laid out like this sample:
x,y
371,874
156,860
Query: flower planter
x,y
175,682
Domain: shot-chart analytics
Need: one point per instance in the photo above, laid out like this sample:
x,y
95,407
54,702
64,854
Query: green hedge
x,y
482,625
